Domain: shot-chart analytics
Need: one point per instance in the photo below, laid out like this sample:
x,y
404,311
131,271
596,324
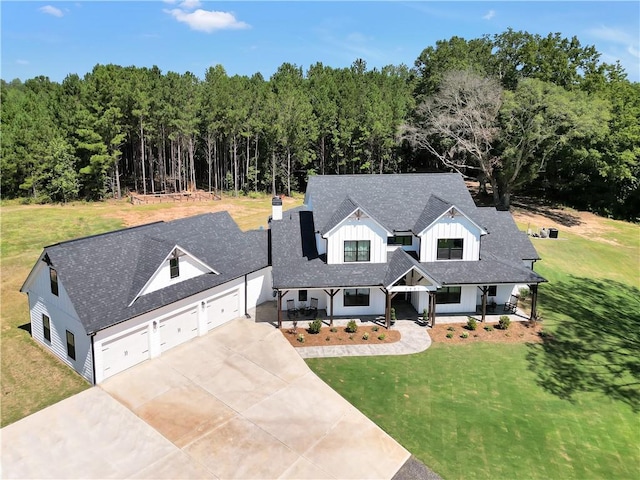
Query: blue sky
x,y
57,38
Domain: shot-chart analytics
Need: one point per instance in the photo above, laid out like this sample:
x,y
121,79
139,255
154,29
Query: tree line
x,y
515,110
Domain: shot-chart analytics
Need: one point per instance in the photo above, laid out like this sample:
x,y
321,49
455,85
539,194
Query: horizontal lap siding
x,y
62,317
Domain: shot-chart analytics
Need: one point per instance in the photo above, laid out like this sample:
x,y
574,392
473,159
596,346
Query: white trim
x,y
445,213
424,274
330,232
169,255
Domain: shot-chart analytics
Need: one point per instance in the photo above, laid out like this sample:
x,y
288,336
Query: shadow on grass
x,y
26,327
595,349
547,210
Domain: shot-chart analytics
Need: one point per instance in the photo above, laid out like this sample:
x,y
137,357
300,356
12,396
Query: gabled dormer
x,y
447,233
352,235
178,265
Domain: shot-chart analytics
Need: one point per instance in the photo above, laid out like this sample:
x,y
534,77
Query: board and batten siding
x,y
353,229
457,227
467,302
189,268
377,304
503,294
62,317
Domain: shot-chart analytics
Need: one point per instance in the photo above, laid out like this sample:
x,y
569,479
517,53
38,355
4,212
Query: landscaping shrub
x,y
375,328
333,329
504,322
382,336
523,292
425,315
472,323
328,339
450,335
393,316
488,328
464,335
451,329
315,326
301,338
365,336
352,326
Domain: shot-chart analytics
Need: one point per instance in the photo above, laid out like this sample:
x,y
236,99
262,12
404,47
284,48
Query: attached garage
x,y
222,309
178,329
125,351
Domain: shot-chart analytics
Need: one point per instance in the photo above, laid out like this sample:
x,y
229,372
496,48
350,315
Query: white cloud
x,y
633,51
190,4
490,14
48,9
22,62
207,20
612,35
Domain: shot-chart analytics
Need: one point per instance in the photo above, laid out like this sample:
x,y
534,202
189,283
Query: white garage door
x,y
221,310
178,329
125,351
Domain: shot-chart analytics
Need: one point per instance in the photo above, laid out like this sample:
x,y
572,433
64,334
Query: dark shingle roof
x,y
102,274
434,208
400,262
396,201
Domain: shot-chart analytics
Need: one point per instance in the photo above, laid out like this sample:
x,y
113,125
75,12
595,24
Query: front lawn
x,y
565,408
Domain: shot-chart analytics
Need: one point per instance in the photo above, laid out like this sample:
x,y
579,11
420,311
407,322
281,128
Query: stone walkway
x,y
413,339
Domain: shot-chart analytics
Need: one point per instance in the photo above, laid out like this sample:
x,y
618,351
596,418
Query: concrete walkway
x,y
413,339
238,403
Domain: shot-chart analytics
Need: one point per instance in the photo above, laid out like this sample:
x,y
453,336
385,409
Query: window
x,y
46,327
174,267
71,345
448,295
53,277
492,291
356,297
357,250
405,240
450,248
302,295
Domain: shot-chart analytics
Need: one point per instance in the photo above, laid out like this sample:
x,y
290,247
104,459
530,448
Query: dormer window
x,y
450,248
53,279
357,250
174,267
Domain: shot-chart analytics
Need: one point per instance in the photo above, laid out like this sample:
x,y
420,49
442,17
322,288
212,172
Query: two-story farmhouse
x,y
105,303
359,240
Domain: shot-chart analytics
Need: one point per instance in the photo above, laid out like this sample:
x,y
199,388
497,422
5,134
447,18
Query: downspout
x,y
93,358
246,287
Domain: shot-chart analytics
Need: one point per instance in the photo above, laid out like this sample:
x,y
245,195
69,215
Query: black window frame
x,y
361,297
450,249
356,251
492,290
46,327
71,345
448,295
405,238
174,267
302,295
53,280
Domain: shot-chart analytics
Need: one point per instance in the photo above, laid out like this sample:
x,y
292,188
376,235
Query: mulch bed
x,y
341,337
518,332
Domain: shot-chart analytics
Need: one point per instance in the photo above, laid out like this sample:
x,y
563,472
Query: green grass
x,y
30,376
566,408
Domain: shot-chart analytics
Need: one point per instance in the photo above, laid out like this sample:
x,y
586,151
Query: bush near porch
x,y
566,407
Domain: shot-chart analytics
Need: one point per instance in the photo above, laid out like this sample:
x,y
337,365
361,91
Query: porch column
x,y
432,308
485,289
279,308
534,302
332,293
387,311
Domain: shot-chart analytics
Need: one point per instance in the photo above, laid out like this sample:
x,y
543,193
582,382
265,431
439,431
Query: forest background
x,y
521,112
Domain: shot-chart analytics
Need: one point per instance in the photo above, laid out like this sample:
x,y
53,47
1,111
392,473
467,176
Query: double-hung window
x,y
357,250
53,279
71,345
174,267
46,327
356,297
450,248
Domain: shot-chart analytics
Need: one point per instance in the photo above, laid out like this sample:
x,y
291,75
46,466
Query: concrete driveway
x,y
237,403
